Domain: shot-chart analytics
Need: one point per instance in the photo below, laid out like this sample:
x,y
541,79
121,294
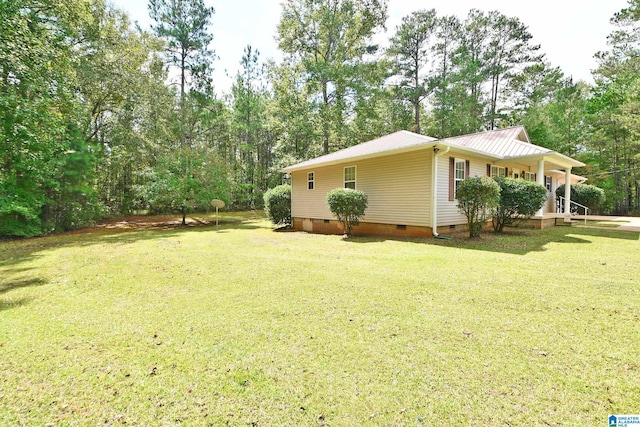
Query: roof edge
x,y
296,167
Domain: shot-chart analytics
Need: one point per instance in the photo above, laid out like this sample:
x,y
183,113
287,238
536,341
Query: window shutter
x,y
488,169
535,177
506,172
467,165
452,184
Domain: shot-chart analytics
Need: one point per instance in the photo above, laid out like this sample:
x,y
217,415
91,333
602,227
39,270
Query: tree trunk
x,y
325,124
416,104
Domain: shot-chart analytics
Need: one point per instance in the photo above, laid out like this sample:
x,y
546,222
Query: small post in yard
x,y
216,203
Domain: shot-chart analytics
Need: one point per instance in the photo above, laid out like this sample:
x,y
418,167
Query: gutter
x,y
437,152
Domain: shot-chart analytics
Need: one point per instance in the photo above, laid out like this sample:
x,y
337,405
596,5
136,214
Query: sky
x,y
570,32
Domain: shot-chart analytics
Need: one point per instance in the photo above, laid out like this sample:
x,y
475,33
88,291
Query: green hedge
x,y
277,204
478,198
584,194
519,201
348,206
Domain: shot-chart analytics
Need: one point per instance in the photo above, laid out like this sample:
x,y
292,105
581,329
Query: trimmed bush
x,y
519,201
277,204
348,206
586,195
478,198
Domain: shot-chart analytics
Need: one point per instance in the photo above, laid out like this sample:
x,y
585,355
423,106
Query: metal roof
x,y
502,144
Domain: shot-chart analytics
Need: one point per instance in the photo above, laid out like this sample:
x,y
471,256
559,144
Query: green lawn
x,y
240,325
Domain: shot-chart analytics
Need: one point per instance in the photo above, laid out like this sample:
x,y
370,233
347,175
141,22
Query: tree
x,y
478,197
348,206
253,157
508,50
40,114
328,40
519,201
613,114
551,107
476,63
410,51
128,108
184,25
444,99
185,181
292,115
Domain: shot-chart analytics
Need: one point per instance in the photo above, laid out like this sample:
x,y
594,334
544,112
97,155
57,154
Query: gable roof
x,y
394,142
502,144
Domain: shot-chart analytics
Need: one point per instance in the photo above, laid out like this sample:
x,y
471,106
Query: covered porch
x,y
547,167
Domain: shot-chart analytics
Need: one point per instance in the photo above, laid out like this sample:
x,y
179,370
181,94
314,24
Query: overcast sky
x,y
570,32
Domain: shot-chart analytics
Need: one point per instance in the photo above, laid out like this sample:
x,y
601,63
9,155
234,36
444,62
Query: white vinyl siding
x,y
448,210
398,188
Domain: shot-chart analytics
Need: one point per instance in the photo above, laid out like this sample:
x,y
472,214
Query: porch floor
x,y
633,222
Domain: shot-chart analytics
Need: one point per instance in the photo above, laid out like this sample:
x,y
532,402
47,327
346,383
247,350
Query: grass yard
x,y
243,326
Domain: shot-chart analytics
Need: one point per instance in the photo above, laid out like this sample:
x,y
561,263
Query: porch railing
x,y
560,207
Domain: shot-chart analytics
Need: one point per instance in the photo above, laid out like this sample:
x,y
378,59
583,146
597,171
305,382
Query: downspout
x,y
437,152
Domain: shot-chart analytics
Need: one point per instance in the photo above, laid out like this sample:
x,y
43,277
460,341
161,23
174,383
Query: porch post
x,y
540,180
567,194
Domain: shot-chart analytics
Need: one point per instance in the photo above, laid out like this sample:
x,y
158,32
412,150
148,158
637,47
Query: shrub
x,y
478,198
348,206
586,195
519,201
277,204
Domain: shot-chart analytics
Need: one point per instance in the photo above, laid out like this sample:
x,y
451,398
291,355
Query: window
x,y
547,183
498,171
311,183
515,173
458,171
350,177
461,172
529,176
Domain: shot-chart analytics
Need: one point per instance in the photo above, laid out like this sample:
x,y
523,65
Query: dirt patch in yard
x,y
155,221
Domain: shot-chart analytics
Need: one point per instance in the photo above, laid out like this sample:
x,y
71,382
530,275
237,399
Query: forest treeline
x,y
100,118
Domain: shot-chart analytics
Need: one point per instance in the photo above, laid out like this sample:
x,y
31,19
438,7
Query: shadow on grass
x,y
513,241
13,303
522,242
6,287
15,252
